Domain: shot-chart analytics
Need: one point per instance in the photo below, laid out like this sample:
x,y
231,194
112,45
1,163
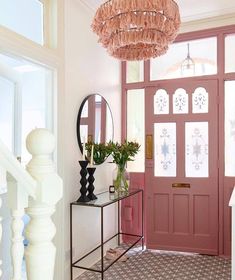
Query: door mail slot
x,y
180,185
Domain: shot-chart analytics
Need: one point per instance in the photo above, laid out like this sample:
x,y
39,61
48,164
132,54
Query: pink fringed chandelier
x,y
136,29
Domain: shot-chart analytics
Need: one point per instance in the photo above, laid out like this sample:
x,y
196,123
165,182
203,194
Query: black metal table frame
x,y
118,234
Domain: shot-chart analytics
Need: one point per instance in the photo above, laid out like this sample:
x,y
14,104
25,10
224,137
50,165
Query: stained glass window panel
x,y
200,100
161,102
165,149
180,101
229,129
196,149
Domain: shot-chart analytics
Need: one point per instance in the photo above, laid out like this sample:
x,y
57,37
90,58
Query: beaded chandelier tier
x,y
136,29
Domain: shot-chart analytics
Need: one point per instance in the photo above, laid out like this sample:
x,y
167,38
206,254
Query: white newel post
x,y
40,253
17,200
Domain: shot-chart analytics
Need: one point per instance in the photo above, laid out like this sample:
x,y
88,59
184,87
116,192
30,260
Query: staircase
x,y
34,191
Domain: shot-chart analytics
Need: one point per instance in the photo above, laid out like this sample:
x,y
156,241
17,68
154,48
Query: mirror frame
x,y
79,121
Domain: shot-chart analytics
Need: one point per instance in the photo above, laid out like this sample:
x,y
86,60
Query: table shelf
x,y
104,199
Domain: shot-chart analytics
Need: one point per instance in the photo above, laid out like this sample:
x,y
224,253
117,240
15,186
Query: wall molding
x,y
207,23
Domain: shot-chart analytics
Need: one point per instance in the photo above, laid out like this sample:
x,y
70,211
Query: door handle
x,y
181,185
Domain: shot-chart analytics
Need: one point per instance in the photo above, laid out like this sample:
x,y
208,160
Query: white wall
x,y
88,69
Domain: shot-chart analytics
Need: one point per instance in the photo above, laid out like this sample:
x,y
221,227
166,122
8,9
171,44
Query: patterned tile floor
x,y
162,265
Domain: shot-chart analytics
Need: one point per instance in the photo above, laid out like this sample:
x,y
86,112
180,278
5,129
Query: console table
x,y
104,199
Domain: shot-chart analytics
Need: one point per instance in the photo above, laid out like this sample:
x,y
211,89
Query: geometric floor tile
x,y
164,265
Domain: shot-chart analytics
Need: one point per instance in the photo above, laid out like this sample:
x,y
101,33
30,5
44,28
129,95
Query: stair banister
x,y
40,253
20,185
14,169
37,190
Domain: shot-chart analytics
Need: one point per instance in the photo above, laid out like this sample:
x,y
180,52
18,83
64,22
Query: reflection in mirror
x,y
94,122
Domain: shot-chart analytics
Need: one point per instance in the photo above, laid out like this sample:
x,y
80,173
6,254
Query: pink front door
x,y
182,172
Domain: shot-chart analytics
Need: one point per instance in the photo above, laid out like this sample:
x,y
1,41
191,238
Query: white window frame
x,y
50,13
50,55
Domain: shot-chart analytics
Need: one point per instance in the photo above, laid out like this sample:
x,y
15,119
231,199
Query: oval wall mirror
x,y
95,121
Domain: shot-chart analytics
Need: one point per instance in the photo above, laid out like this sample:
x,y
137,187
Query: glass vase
x,y
120,179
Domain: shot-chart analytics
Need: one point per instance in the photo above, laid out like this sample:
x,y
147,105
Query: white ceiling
x,y
191,9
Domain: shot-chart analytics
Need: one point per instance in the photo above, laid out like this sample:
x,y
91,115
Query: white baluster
x,y
17,249
17,201
0,234
40,253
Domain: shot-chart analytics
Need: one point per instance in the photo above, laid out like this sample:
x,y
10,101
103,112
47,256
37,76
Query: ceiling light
x,y
188,65
136,29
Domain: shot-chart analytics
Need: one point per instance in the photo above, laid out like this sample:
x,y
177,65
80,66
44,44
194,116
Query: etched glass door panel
x,y
180,101
165,149
200,100
196,149
161,102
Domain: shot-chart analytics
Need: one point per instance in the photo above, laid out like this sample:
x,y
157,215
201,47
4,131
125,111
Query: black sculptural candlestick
x,y
83,181
91,179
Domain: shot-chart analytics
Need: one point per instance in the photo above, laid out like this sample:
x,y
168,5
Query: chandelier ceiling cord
x,y
136,29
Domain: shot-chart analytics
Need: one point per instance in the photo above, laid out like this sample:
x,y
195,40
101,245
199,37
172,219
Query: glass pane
x,y
109,125
7,113
97,127
196,149
161,102
84,133
24,17
229,53
136,127
180,101
134,71
176,63
85,110
36,91
37,108
229,135
165,149
200,100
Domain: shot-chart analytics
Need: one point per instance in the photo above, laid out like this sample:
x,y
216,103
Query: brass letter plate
x,y
149,147
180,185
